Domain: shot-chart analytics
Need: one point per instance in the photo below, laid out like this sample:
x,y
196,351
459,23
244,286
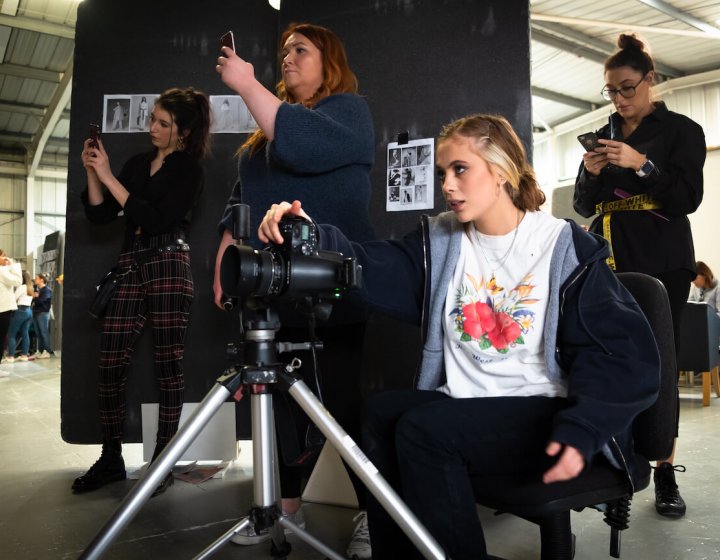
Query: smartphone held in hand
x,y
228,40
94,134
589,140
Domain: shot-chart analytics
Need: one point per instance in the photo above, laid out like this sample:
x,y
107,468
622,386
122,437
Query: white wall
x,y
704,222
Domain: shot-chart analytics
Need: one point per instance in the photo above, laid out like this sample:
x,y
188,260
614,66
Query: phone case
x,y
589,140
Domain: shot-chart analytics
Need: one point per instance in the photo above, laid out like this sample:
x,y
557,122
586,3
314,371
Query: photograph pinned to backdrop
x,y
410,176
230,115
127,113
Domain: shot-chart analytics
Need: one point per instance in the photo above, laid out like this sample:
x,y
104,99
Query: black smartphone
x,y
589,140
228,40
94,133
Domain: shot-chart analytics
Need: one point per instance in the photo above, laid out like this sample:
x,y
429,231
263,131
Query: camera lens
x,y
247,272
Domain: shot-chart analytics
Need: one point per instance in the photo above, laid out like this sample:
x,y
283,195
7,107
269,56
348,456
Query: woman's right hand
x,y
594,162
269,230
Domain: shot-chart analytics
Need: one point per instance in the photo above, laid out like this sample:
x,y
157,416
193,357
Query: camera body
x,y
293,270
300,236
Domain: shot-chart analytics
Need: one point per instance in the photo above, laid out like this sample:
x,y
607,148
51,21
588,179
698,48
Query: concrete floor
x,y
40,518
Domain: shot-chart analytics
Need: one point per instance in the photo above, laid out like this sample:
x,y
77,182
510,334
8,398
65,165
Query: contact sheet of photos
x,y
131,113
410,177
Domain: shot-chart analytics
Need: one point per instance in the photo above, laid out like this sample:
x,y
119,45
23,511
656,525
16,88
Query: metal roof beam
x,y
622,26
57,105
28,109
562,98
26,139
586,47
679,15
31,73
38,25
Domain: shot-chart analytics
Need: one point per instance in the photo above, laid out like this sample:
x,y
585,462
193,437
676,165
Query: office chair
x,y
601,487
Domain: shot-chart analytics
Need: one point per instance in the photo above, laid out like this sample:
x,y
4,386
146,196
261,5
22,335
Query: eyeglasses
x,y
626,91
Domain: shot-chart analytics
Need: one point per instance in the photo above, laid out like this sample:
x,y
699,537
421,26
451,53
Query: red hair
x,y
337,76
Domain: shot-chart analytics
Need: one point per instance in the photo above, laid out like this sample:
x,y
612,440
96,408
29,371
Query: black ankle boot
x,y
668,501
166,482
110,467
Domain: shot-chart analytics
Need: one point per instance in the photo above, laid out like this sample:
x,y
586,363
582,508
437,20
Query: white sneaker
x,y
43,355
359,547
9,360
298,518
23,358
248,536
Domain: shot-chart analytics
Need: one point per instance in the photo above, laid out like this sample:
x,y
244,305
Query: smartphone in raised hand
x,y
228,40
94,134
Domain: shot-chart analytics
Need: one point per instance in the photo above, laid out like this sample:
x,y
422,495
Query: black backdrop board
x,y
139,47
420,64
424,63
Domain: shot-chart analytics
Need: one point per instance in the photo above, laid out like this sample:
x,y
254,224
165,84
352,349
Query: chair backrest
x,y
698,338
654,429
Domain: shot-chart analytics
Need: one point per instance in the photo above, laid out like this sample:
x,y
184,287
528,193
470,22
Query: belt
x,y
633,203
178,247
23,306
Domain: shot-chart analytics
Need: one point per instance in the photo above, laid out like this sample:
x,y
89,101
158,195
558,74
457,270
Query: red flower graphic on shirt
x,y
505,332
479,319
500,320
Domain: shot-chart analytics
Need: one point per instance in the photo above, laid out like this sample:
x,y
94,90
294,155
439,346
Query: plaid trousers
x,y
161,289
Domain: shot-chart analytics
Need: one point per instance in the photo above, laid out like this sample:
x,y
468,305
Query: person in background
x,y
155,193
21,319
705,287
315,140
535,358
10,277
642,182
41,304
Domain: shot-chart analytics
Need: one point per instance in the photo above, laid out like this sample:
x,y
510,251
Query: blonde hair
x,y
495,140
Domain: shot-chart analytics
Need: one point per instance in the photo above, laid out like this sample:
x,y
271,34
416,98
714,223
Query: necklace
x,y
501,261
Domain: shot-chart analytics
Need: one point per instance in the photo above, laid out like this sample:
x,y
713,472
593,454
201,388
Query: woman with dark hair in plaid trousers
x,y
156,192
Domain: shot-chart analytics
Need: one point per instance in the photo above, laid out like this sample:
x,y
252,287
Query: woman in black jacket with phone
x,y
155,192
642,181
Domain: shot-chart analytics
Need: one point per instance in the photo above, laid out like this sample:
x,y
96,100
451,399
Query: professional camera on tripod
x,y
294,271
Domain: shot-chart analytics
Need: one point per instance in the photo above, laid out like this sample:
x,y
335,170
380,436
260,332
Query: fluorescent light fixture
x,y
274,3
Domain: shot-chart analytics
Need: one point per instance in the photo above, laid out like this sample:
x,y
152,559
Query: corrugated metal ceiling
x,y
570,40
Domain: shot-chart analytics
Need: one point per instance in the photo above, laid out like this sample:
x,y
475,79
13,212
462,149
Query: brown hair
x,y
704,271
498,144
28,281
633,52
337,76
190,109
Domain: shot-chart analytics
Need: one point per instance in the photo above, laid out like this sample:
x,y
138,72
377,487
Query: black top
x,y
41,303
159,204
641,240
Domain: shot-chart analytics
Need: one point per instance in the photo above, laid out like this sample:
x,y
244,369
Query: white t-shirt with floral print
x,y
495,312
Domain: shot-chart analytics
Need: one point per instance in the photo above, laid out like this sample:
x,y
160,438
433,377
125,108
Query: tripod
x,y
259,376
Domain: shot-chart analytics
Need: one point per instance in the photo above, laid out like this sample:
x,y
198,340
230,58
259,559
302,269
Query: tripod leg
x,y
367,472
140,493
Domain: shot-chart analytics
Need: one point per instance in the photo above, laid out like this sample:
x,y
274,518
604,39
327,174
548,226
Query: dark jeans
x,y
428,445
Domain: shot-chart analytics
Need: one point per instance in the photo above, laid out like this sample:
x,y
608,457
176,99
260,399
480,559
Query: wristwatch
x,y
646,168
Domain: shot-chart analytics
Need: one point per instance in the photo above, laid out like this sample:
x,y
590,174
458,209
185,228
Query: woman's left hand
x,y
235,72
570,462
620,154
